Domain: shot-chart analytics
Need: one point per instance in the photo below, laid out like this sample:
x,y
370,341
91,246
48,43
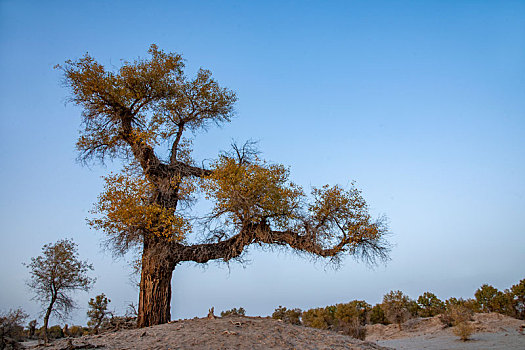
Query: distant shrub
x,y
463,330
234,312
31,329
397,307
517,294
76,331
486,297
351,318
55,332
377,315
413,308
470,304
97,311
356,309
353,328
455,314
116,323
11,329
292,316
322,318
430,305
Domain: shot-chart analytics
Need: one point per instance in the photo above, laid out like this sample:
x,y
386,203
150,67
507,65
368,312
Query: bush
x,y
430,305
97,311
413,308
463,330
377,315
397,307
470,304
322,318
353,328
31,329
116,323
350,318
456,314
54,332
76,331
234,312
486,296
11,329
517,293
292,316
356,309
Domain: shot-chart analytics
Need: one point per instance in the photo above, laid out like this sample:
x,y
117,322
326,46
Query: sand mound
x,y
491,323
220,333
491,331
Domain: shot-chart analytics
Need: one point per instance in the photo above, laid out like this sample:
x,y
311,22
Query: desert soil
x,y
220,333
492,331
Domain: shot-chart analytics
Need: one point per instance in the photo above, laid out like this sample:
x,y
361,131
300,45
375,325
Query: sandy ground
x,y
492,331
222,333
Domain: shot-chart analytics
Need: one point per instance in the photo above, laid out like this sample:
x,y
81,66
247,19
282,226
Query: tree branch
x,y
368,248
174,147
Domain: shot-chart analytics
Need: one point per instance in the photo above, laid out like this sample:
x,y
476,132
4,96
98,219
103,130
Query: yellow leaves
x,y
125,207
337,210
146,101
252,192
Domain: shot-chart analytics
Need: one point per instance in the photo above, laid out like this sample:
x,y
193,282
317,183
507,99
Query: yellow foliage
x,y
125,207
251,193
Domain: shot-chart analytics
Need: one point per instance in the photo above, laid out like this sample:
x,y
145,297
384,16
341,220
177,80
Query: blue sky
x,y
421,103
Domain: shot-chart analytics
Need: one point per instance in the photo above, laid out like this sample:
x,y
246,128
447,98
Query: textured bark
x,y
155,286
46,319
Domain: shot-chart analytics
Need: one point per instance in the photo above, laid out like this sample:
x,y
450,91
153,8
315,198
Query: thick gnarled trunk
x,y
155,286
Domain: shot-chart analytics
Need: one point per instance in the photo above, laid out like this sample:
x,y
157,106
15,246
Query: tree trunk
x,y
155,285
46,319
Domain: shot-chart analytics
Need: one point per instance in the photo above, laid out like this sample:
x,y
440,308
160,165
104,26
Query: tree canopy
x,y
55,275
145,114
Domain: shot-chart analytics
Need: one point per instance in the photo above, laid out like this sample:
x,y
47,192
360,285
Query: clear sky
x,y
421,103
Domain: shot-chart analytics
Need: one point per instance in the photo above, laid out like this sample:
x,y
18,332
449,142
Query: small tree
x,y
322,318
351,318
517,293
97,311
396,306
55,275
430,305
484,296
31,327
377,315
356,309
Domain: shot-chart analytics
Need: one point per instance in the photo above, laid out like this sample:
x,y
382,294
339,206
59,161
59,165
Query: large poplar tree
x,y
143,114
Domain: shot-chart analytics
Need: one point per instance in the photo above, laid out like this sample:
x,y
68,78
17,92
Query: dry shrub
x,y
377,315
353,328
234,312
76,331
322,318
456,314
11,329
292,316
463,330
396,306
